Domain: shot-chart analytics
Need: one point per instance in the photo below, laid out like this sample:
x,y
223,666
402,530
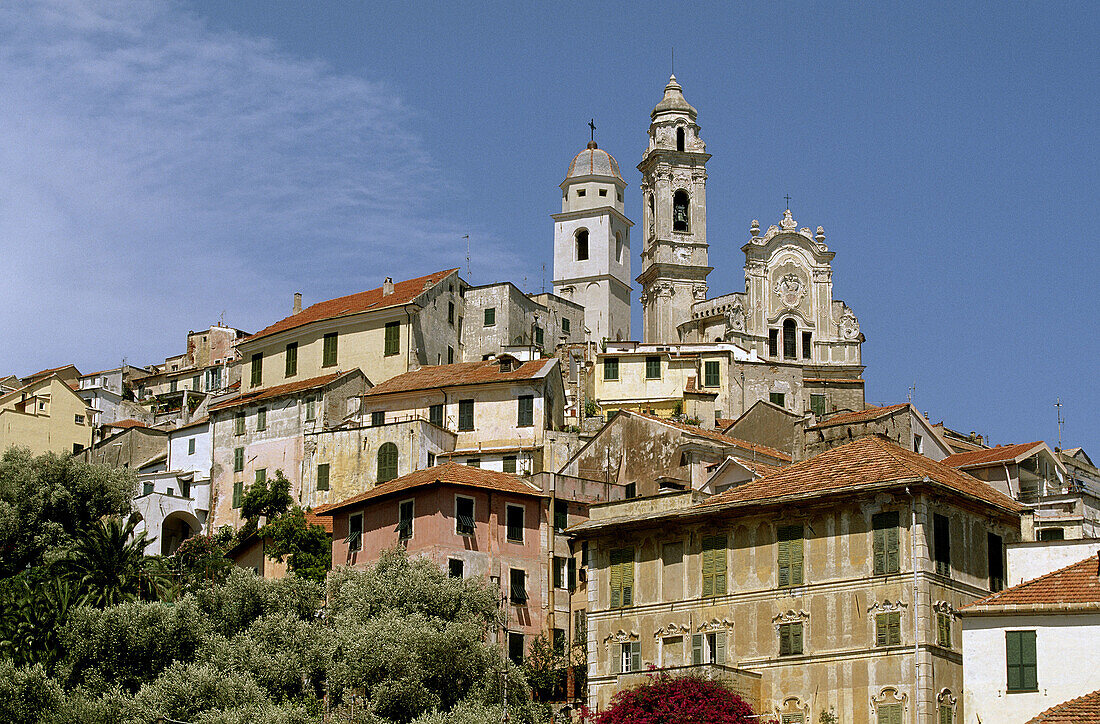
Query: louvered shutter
x,y
697,649
1028,667
880,551
796,638
708,572
616,580
944,629
892,563
718,558
894,628
784,563
720,647
628,576
1012,657
880,629
945,714
635,656
795,555
785,639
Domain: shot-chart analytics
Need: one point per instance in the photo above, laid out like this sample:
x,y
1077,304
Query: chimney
x,y
297,303
387,287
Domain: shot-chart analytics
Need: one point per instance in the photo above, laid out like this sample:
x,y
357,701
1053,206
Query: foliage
x,y
591,409
26,692
33,605
667,700
267,498
108,565
546,669
46,501
306,547
199,560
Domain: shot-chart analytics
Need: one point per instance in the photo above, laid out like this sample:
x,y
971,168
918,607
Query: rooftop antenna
x,y
1061,421
469,274
544,277
912,389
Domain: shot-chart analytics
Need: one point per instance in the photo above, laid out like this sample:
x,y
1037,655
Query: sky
x,y
165,166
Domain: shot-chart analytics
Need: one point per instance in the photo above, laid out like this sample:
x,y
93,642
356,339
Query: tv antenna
x,y
468,272
1061,421
912,389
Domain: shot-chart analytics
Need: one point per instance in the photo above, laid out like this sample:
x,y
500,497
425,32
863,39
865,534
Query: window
x,y
261,476
355,532
539,336
790,330
945,714
185,489
196,382
473,462
509,463
807,345
561,514
238,459
431,459
679,139
514,523
885,543
515,648
790,639
311,409
1052,534
581,192
773,342
378,418
790,555
581,239
464,515
238,423
630,658
78,419
465,415
405,520
817,403
526,411
450,355
611,368
393,338
238,493
257,369
888,628
710,374
454,567
618,247
561,571
435,414
714,566
778,398
680,219
322,476
918,443
622,577
792,719
603,192
941,544
387,462
174,386
517,586
328,352
631,488
191,446
653,368
708,648
943,629
451,313
995,553
490,316
580,625
889,713
261,419
148,487
1020,656
565,325
291,359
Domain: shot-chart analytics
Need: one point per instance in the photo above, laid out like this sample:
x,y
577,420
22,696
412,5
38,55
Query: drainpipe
x,y
916,593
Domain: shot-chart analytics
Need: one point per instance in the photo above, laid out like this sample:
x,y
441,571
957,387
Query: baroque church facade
x,y
790,341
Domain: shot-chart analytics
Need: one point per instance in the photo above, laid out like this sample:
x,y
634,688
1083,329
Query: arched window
x,y
790,341
680,211
387,462
582,244
679,139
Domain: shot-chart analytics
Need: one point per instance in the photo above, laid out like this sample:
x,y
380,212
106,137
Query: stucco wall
x,y
1032,559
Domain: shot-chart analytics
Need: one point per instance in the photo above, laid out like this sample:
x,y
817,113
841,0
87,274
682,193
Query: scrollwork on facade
x,y
849,325
714,625
309,446
621,637
788,223
736,317
944,607
789,289
699,292
671,629
790,616
681,179
887,606
888,695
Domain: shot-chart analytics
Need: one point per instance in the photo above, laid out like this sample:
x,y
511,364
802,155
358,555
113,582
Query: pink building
x,y
472,521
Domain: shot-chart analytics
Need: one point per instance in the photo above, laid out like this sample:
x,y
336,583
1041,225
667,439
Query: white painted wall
x,y
179,459
1035,558
1065,652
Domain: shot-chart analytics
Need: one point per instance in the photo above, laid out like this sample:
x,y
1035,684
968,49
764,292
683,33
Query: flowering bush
x,y
665,700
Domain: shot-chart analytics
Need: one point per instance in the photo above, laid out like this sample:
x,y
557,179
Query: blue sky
x,y
163,164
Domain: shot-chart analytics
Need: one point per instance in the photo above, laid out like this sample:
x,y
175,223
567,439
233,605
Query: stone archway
x,y
175,529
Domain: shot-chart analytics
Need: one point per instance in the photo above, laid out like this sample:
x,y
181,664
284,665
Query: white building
x,y
174,501
1032,646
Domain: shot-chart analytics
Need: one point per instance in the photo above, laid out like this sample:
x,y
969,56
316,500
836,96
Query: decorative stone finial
x,y
788,223
592,144
820,235
754,228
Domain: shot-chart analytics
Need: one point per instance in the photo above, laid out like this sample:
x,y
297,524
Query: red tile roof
x,y
718,437
856,465
460,373
722,423
999,454
126,424
1082,710
447,473
278,391
403,293
1076,583
194,423
865,415
315,516
50,371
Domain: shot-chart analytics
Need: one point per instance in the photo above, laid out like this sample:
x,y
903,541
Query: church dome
x,y
593,161
673,102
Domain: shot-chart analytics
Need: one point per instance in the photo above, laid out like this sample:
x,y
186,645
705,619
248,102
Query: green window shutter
x,y
784,639
465,415
238,491
893,564
238,424
526,407
628,577
945,714
238,459
796,638
697,649
636,656
611,368
490,316
796,559
292,359
708,572
720,569
257,369
328,353
387,462
710,374
261,419
653,368
943,628
880,551
720,647
322,476
393,338
784,563
893,633
1029,667
261,476
1012,659
790,555
880,629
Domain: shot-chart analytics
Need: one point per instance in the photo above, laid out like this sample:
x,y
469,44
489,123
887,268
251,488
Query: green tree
x,y
33,606
108,564
198,561
268,499
306,546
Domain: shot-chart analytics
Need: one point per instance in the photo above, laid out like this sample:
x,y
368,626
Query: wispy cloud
x,y
154,172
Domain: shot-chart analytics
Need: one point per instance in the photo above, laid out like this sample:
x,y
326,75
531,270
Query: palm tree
x,y
109,566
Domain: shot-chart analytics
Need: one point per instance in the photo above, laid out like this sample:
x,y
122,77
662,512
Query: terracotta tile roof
x,y
858,464
403,293
126,424
460,373
866,415
447,473
718,437
1082,710
315,516
722,423
690,388
999,454
278,391
1076,583
205,419
50,371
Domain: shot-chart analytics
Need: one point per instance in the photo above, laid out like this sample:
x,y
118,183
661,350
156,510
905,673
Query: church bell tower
x,y
674,227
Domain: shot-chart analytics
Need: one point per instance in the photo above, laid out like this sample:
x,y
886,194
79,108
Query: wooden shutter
x,y
880,629
720,647
1028,666
796,638
719,565
628,576
616,580
893,632
708,572
945,714
1012,658
636,656
697,649
795,553
943,627
880,551
784,562
784,639
892,561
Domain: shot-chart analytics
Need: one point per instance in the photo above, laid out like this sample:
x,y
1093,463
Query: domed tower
x,y
592,244
674,225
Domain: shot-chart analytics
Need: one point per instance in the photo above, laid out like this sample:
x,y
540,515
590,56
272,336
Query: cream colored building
x,y
46,415
837,580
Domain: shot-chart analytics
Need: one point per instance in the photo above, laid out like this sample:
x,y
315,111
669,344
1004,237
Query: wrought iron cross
x,y
592,125
788,198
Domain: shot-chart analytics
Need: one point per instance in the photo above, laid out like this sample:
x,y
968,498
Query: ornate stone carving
x,y
671,629
849,325
790,289
681,179
737,317
699,292
887,606
567,291
754,228
309,446
944,607
788,223
621,637
664,289
790,616
714,625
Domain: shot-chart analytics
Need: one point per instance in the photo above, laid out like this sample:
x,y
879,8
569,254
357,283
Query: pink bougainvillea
x,y
665,700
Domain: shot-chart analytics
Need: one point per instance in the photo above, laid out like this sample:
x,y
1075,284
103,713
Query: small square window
x,y
191,446
377,418
565,325
603,192
509,463
778,398
653,368
435,414
490,316
611,368
261,419
322,476
454,567
580,192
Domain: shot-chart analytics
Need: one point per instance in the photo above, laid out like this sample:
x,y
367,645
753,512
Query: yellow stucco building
x,y
46,416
